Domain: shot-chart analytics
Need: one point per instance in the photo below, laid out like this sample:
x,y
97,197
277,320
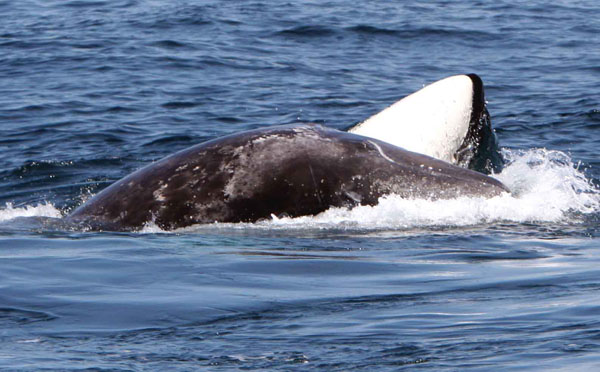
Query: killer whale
x,y
447,120
289,170
427,145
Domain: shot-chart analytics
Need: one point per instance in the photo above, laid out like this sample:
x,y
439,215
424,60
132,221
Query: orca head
x,y
447,120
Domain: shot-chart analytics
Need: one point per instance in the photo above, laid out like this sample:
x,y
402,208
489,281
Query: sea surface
x,y
91,90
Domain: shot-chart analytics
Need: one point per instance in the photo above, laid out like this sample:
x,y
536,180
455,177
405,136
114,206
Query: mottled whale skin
x,y
291,170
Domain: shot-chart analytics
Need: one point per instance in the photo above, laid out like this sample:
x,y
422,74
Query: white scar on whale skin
x,y
432,121
381,152
158,194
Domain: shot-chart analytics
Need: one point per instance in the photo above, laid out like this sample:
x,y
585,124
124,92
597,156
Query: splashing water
x,y
10,212
546,187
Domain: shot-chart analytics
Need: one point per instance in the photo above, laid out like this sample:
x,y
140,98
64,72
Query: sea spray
x,y
546,186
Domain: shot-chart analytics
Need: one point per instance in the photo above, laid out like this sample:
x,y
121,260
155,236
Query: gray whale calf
x,y
292,170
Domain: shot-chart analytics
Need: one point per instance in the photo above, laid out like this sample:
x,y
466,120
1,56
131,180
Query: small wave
x,y
170,44
10,212
308,31
179,105
169,17
10,316
421,32
84,4
169,139
372,30
43,166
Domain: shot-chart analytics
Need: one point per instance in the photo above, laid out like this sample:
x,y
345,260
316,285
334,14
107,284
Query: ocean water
x,y
91,90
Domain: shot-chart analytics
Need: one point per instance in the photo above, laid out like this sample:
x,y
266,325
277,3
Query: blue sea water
x,y
91,90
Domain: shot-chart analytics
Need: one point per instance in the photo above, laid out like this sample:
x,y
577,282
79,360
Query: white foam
x,y
546,187
10,212
151,228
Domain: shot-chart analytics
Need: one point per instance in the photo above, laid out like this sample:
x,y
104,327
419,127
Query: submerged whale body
x,y
284,171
